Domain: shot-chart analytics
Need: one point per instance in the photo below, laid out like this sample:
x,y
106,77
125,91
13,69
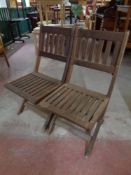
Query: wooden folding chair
x,y
82,109
2,52
54,43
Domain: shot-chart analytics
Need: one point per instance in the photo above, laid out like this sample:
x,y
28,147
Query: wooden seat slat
x,y
71,101
34,90
37,89
81,102
26,77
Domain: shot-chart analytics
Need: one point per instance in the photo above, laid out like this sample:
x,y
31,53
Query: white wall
x,y
3,3
27,3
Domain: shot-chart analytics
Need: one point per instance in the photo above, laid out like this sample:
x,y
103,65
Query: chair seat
x,y
34,86
78,105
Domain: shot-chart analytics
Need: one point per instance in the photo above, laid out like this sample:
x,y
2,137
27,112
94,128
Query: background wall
x,y
3,3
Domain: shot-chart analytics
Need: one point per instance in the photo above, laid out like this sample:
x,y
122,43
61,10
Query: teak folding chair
x,y
54,43
82,109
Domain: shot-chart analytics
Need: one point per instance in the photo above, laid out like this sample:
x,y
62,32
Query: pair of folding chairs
x,y
71,106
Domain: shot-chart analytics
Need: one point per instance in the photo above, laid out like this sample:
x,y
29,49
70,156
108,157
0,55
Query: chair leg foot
x,y
91,143
88,151
51,125
47,122
21,107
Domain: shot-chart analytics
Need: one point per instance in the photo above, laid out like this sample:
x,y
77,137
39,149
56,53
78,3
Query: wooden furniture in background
x,y
102,2
44,10
55,43
82,109
34,18
91,7
2,51
127,2
123,20
106,15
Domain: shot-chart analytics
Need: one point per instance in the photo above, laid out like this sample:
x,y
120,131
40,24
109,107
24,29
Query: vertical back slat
x,y
91,51
107,52
77,47
115,52
66,44
83,48
44,41
47,42
59,44
80,50
88,46
95,51
51,43
56,43
99,51
63,46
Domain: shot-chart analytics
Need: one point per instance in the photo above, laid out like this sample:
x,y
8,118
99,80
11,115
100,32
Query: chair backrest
x,y
45,4
55,42
100,50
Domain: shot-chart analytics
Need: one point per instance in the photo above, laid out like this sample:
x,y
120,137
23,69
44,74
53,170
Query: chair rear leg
x,y
6,59
22,107
91,143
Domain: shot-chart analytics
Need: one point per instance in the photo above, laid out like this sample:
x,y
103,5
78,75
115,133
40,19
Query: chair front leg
x,y
37,64
50,123
91,143
22,107
47,122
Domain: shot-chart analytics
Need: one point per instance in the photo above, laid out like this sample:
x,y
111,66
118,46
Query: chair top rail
x,y
56,29
103,35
